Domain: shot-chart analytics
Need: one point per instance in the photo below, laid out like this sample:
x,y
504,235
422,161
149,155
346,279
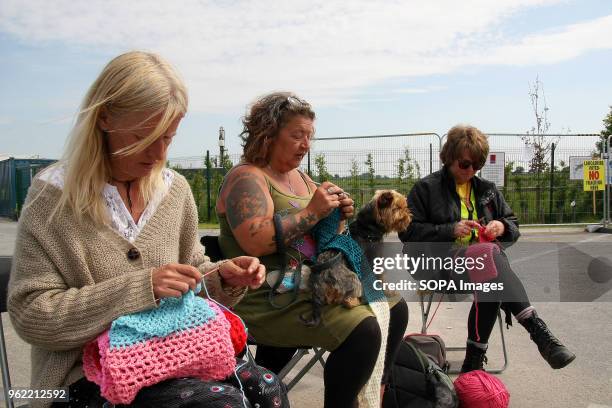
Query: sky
x,y
368,67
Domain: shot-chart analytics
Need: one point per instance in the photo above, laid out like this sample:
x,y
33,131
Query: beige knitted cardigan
x,y
70,281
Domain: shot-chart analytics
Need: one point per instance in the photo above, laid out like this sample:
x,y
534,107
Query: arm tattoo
x,y
256,228
245,200
294,228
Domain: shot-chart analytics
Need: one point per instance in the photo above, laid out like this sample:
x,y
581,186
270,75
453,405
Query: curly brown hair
x,y
461,138
267,116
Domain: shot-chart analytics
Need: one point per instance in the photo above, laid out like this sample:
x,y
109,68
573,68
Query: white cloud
x,y
328,51
568,42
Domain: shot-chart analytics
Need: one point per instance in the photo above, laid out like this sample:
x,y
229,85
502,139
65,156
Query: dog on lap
x,y
334,282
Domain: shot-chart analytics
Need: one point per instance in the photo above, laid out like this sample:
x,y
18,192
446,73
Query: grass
x,y
208,225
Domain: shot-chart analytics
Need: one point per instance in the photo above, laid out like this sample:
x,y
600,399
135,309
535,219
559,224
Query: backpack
x,y
433,346
416,381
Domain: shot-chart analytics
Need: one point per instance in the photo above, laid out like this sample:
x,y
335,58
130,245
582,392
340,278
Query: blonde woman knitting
x,y
108,230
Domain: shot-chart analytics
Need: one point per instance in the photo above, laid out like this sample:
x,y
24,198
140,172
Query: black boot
x,y
475,358
555,353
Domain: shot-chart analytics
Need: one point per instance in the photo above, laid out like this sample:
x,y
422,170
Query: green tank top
x,y
282,327
284,204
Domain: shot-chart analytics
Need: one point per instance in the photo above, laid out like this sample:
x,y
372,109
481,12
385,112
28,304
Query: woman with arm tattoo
x,y
277,135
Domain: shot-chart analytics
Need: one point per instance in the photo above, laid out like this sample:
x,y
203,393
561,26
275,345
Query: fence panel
x,y
537,192
363,164
205,178
15,178
538,187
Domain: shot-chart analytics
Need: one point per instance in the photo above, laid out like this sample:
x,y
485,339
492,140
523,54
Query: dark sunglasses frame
x,y
464,164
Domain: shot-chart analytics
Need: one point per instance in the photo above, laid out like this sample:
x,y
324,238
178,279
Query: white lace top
x,y
121,219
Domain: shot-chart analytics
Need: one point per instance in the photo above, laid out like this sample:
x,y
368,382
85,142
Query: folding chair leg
x,y
425,310
318,357
504,350
6,379
294,360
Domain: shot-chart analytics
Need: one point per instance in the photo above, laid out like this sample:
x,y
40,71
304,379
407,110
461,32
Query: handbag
x,y
183,337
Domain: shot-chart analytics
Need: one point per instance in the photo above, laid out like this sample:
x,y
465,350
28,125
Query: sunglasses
x,y
465,164
295,102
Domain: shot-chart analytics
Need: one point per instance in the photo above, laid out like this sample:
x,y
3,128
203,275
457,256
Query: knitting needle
x,y
215,269
339,193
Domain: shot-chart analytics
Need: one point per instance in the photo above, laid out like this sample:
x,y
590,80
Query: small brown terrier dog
x,y
331,280
387,212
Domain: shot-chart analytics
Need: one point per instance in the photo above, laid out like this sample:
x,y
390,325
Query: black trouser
x,y
349,366
513,298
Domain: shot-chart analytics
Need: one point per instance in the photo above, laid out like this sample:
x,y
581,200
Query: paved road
x,y
586,327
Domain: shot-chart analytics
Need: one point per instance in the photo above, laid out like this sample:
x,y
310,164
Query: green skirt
x,y
283,327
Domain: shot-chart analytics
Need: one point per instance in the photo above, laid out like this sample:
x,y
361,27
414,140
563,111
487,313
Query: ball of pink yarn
x,y
477,389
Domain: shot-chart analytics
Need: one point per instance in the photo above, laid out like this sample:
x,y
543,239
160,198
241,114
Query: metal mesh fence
x,y
538,192
381,162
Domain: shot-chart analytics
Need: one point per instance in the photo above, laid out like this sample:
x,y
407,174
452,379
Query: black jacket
x,y
436,208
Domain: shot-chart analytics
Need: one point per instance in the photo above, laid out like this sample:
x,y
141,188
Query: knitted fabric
x,y
237,332
183,337
70,280
325,233
326,236
486,252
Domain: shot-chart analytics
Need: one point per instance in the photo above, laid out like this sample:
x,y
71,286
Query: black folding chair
x,y
5,272
213,251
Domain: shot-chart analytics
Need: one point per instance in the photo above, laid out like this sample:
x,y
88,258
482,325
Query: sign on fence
x,y
493,169
594,175
576,164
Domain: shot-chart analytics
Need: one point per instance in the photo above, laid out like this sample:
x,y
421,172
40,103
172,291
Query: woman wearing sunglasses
x,y
453,209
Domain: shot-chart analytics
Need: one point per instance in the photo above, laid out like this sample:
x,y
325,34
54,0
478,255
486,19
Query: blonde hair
x,y
461,138
132,82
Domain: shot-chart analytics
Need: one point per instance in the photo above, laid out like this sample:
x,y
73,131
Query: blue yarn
x,y
326,236
168,318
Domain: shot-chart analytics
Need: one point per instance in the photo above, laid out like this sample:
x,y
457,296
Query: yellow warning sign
x,y
594,175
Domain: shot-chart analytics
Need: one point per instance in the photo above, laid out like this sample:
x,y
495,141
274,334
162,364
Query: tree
x,y
199,196
540,143
604,134
413,170
226,163
322,174
354,176
537,138
401,171
407,169
370,165
507,172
